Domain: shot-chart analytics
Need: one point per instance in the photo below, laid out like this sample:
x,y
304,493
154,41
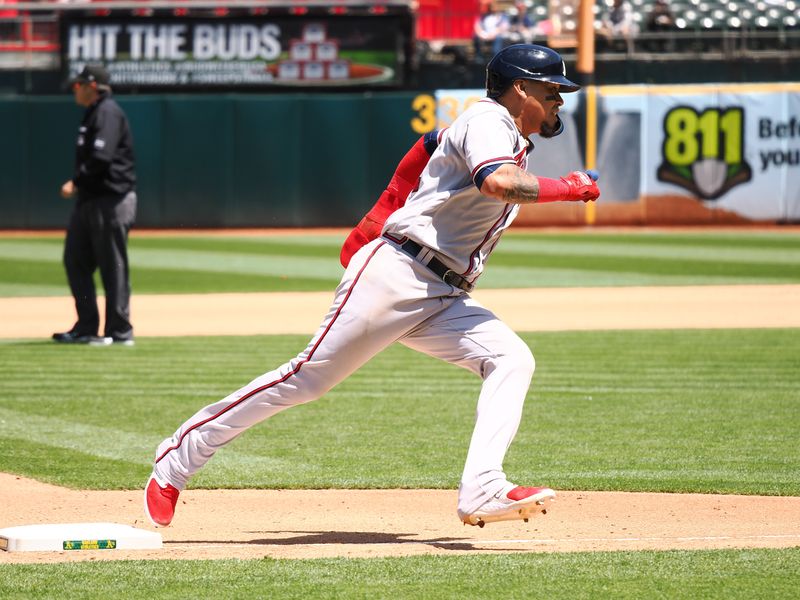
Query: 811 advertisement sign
x,y
703,152
733,147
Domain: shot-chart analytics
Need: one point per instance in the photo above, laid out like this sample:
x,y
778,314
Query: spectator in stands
x,y
618,26
660,20
490,28
660,17
618,22
521,25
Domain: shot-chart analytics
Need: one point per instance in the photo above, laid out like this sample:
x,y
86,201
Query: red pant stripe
x,y
285,377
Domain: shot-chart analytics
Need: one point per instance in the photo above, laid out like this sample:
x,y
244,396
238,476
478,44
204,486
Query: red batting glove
x,y
581,187
576,186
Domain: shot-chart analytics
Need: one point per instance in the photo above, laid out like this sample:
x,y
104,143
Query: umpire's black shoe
x,y
70,337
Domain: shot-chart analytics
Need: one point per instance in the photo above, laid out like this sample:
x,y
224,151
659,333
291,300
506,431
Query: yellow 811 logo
x,y
703,152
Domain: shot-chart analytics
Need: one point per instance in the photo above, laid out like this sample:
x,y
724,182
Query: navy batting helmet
x,y
526,61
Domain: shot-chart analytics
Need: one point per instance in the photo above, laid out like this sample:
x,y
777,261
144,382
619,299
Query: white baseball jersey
x,y
447,211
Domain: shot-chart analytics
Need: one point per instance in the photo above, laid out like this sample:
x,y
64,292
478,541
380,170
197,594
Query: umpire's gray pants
x,y
97,238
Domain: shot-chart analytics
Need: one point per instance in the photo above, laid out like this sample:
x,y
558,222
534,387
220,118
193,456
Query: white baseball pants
x,y
384,296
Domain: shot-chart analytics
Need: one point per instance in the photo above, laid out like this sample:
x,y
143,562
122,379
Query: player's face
x,y
541,106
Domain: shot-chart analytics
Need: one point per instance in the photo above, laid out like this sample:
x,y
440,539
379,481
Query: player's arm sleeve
x,y
488,144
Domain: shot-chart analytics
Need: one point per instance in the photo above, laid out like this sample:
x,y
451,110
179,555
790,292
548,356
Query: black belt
x,y
447,274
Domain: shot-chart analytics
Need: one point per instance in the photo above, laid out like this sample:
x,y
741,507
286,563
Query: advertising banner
x,y
734,148
240,52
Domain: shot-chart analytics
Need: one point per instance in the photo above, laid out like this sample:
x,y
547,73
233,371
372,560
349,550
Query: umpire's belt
x,y
447,274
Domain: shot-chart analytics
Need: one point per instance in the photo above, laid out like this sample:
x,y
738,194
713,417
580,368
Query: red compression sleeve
x,y
410,167
403,180
353,244
405,177
552,190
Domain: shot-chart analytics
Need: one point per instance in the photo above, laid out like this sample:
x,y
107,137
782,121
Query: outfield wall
x,y
216,160
666,154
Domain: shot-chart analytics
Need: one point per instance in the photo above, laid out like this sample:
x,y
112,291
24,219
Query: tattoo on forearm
x,y
524,189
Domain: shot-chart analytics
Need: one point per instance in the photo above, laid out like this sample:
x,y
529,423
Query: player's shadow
x,y
339,537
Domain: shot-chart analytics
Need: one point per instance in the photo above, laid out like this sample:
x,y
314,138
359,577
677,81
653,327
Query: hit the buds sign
x,y
245,53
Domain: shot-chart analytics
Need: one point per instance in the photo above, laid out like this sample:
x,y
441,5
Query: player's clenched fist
x,y
577,186
581,186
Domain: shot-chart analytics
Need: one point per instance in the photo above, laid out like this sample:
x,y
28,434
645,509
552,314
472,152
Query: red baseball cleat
x,y
519,503
159,502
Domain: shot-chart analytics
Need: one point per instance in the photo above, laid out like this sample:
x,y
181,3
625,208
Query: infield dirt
x,y
369,523
539,309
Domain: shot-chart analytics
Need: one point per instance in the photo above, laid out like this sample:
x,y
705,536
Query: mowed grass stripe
x,y
30,278
310,263
724,574
44,259
243,264
183,281
96,440
732,252
700,411
497,276
310,246
19,290
33,249
60,465
714,247
633,263
707,238
50,248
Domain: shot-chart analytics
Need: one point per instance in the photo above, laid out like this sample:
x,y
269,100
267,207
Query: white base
x,y
77,536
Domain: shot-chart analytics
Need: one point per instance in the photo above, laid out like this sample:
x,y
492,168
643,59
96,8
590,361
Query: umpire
x,y
104,185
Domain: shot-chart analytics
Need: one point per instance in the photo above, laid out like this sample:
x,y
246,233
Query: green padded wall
x,y
13,164
232,160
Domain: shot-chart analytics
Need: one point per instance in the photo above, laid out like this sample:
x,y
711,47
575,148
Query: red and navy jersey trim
x,y
431,141
487,167
483,170
290,374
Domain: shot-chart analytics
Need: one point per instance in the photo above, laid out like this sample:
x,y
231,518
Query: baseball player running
x,y
412,284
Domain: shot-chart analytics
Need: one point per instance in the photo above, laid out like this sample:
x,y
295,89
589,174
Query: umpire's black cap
x,y
92,73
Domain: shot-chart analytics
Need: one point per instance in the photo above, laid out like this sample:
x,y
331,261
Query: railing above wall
x,y
30,46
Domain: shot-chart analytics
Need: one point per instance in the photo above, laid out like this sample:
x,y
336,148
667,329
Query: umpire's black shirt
x,y
104,162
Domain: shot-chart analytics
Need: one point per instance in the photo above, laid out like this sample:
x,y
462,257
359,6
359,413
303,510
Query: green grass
x,y
204,263
724,574
700,411
680,411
